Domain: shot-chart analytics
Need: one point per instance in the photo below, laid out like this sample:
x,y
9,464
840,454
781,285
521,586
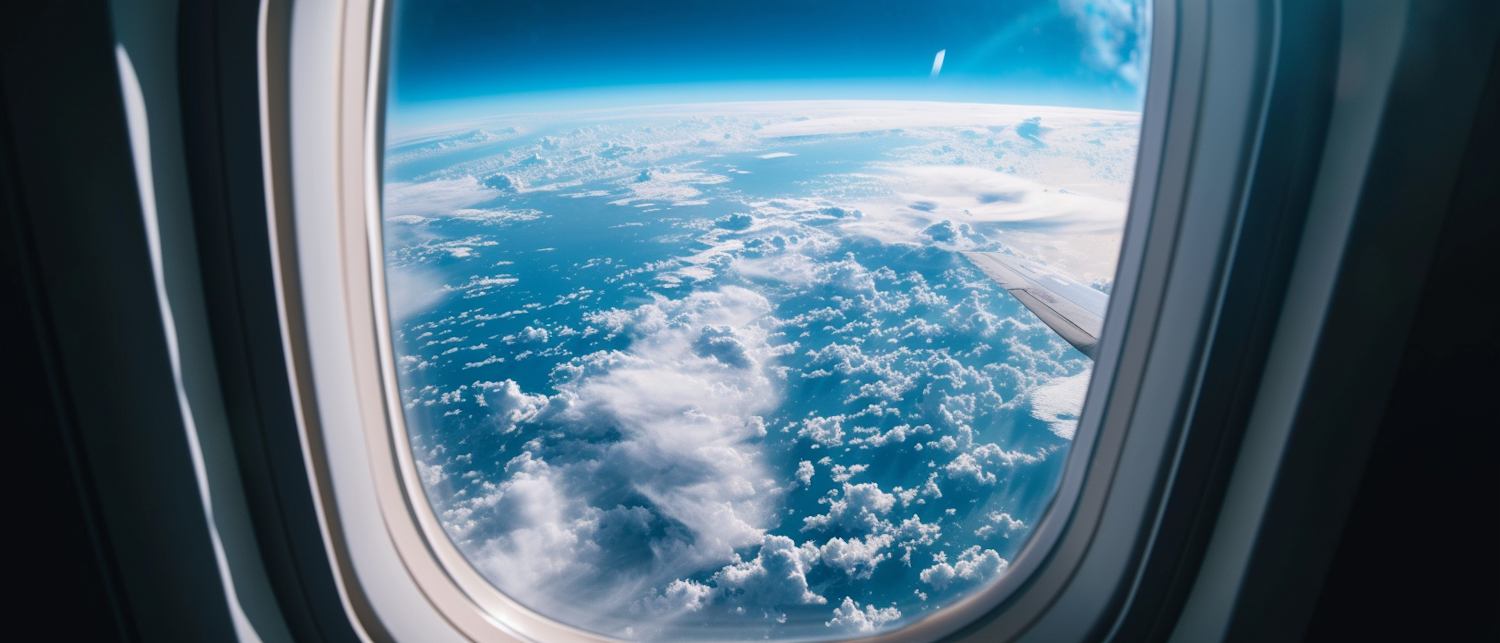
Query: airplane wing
x,y
1071,308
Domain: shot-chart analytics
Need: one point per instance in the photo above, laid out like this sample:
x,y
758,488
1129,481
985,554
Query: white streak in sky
x,y
937,63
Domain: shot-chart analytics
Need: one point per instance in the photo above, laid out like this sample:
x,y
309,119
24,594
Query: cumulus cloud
x,y
776,576
855,557
508,406
974,565
661,420
966,468
826,431
895,435
859,509
680,596
804,472
1001,523
848,616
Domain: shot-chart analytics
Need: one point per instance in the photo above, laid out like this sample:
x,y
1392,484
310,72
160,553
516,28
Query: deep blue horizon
x,y
454,60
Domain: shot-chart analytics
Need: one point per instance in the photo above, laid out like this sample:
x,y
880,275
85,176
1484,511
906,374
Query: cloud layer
x,y
685,377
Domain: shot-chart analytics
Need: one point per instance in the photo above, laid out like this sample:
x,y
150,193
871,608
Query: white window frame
x,y
401,577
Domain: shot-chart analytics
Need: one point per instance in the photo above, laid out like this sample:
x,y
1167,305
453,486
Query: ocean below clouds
x,y
721,372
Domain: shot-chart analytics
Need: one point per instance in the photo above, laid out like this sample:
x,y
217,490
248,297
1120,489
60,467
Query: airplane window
x,y
759,320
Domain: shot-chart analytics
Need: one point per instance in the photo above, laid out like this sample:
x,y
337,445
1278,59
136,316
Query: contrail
x,y
937,63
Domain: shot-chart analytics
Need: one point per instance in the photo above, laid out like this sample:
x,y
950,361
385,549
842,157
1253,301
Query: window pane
x,y
751,320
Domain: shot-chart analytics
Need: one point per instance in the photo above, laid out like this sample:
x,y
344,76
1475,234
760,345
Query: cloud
x,y
1002,523
1118,33
1060,402
508,406
856,558
913,532
986,199
858,510
848,616
823,118
679,597
647,485
804,472
671,184
412,289
496,215
842,473
544,540
434,198
974,565
965,468
826,431
776,576
662,422
896,435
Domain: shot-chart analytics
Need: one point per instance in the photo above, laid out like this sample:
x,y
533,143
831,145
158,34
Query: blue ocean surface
x,y
666,379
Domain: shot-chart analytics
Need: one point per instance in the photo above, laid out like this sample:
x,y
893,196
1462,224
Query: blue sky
x,y
462,59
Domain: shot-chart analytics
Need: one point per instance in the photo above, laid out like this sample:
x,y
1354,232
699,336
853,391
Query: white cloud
x,y
842,473
896,435
547,546
434,198
856,558
431,474
822,118
974,565
826,431
1060,402
848,616
776,576
662,420
804,472
671,184
912,532
679,597
1117,33
859,509
684,418
412,289
965,468
496,215
1006,523
509,407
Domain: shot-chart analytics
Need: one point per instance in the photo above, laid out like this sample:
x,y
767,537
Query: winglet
x,y
1071,308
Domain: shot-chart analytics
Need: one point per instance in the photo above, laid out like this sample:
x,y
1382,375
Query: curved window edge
x,y
1111,483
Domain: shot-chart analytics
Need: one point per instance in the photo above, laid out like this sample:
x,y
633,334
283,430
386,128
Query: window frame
x,y
402,578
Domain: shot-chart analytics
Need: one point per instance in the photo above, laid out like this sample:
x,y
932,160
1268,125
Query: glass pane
x,y
751,320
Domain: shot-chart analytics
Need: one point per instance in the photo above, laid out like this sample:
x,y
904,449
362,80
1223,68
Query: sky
x,y
453,60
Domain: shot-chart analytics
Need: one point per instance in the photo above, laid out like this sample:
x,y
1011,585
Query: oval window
x,y
751,320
